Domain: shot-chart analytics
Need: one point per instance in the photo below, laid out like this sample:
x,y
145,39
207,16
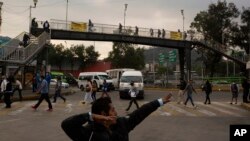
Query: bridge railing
x,y
21,55
134,31
109,29
222,48
7,48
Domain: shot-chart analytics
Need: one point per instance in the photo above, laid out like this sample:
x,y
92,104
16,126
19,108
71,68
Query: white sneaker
x,y
195,106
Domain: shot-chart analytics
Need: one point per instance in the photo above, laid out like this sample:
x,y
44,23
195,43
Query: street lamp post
x,y
35,2
67,15
183,18
126,5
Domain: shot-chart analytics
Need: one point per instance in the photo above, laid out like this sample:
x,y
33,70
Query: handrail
x,y
23,55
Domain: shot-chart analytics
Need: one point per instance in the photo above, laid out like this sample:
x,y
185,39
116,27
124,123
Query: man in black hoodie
x,y
104,124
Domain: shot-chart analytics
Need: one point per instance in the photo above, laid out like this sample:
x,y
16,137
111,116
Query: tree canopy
x,y
79,53
125,55
215,24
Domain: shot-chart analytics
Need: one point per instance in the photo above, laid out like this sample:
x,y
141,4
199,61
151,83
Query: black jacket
x,y
74,128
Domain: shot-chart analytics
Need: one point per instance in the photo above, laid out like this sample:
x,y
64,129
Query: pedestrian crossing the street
x,y
216,109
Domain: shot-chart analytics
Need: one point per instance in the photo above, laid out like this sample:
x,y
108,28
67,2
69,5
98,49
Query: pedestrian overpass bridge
x,y
60,30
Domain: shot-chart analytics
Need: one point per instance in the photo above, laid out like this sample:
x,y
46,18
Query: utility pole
x,y
183,18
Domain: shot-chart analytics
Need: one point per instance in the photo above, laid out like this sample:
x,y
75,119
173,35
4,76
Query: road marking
x,y
230,106
20,110
221,110
163,113
181,110
206,112
11,120
68,108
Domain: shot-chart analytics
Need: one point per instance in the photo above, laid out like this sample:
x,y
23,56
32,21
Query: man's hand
x,y
102,118
167,98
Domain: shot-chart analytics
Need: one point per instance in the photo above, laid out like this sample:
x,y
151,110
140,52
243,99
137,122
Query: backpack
x,y
208,87
234,88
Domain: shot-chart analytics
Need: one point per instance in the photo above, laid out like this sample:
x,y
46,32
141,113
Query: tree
x,y
91,55
56,55
241,34
125,55
215,25
85,56
69,56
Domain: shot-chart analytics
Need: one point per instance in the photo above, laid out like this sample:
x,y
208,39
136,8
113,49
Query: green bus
x,y
55,74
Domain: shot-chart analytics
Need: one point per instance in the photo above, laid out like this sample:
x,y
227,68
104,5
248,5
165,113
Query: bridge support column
x,y
188,61
182,63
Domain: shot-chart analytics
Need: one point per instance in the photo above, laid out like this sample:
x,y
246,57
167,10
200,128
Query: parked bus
x,y
55,74
116,74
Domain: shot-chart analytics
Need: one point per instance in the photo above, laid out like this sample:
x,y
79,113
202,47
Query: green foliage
x,y
215,25
240,35
85,56
125,55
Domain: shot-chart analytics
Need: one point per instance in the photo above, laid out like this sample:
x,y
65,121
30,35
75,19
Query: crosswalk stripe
x,y
230,106
163,113
176,108
206,112
20,110
220,110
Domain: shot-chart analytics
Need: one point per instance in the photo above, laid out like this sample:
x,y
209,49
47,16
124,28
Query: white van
x,y
95,77
128,77
116,74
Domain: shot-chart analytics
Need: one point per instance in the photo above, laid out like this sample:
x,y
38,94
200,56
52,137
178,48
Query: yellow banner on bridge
x,y
79,26
175,35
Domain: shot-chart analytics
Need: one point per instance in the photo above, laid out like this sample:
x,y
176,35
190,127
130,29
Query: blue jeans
x,y
189,97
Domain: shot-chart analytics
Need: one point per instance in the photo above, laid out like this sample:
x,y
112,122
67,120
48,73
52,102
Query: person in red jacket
x,y
103,124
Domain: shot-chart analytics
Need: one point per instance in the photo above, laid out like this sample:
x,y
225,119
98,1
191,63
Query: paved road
x,y
171,122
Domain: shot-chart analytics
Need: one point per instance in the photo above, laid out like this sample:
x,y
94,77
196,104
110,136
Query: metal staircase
x,y
12,54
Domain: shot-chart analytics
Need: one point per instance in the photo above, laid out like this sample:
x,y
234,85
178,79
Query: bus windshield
x,y
136,79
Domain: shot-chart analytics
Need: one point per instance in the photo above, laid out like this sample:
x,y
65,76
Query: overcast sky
x,y
142,13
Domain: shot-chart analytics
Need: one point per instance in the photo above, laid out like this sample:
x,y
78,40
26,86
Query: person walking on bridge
x,y
46,26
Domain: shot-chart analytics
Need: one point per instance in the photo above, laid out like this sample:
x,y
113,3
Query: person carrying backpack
x,y
235,91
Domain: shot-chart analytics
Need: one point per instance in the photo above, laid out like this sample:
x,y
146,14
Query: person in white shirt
x,y
19,88
133,92
3,86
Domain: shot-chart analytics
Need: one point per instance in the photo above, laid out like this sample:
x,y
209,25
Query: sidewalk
x,y
29,95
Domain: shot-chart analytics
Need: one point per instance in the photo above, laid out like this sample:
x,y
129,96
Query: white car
x,y
54,81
